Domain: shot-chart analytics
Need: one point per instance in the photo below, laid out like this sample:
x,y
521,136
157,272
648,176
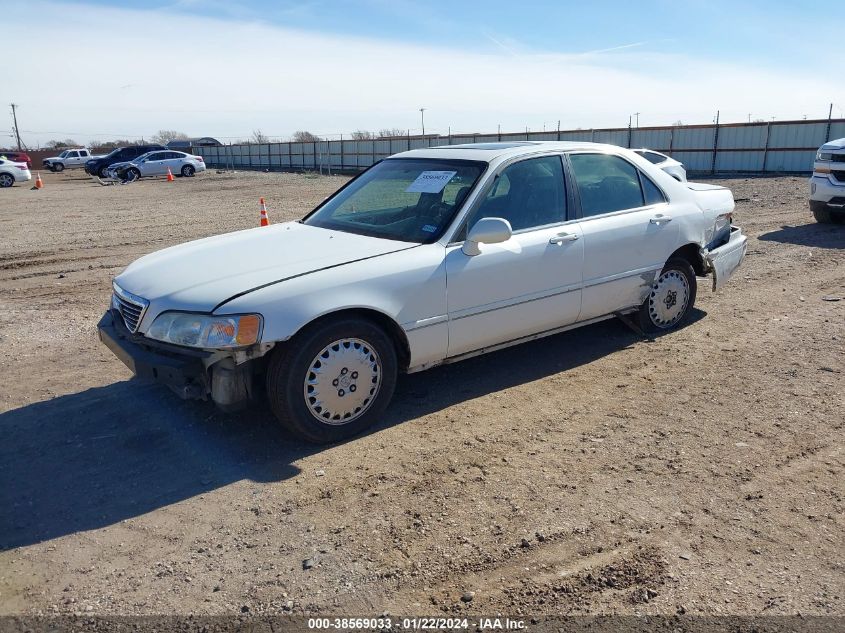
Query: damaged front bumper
x,y
723,260
190,373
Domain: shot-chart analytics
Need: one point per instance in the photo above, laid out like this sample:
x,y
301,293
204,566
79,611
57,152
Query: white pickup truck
x,y
69,159
428,257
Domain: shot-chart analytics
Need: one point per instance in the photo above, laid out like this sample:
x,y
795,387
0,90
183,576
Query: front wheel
x,y
670,300
103,172
57,167
333,380
188,171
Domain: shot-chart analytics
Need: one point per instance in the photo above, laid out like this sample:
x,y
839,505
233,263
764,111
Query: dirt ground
x,y
590,472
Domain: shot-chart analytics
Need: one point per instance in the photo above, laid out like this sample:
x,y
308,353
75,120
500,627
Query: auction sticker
x,y
431,182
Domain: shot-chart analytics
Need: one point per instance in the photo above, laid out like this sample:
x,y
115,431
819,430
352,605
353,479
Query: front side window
x,y
527,194
606,183
411,200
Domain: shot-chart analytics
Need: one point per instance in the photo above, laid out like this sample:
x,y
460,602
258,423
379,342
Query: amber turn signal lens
x,y
248,327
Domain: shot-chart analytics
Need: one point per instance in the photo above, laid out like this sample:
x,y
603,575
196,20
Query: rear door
x,y
628,231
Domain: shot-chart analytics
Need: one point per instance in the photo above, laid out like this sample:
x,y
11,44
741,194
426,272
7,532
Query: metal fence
x,y
770,147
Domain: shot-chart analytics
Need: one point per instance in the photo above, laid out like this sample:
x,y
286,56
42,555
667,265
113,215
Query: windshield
x,y
412,200
64,154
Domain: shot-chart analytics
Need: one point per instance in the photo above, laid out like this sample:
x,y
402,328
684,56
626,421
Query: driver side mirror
x,y
486,231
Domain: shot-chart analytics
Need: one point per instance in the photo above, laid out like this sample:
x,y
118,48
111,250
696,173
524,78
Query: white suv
x,y
827,185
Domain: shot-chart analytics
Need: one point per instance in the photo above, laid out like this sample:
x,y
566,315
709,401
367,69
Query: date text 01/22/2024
x,y
420,623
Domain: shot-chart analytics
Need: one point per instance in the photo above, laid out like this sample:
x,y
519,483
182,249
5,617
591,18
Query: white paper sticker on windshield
x,y
431,182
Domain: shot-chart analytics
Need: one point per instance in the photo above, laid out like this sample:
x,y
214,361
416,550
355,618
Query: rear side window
x,y
606,183
653,195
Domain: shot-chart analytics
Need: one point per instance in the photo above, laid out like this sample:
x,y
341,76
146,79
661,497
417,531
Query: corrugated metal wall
x,y
782,146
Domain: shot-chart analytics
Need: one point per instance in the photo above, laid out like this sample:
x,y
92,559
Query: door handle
x,y
560,238
660,219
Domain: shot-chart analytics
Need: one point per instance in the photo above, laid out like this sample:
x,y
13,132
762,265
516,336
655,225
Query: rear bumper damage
x,y
725,259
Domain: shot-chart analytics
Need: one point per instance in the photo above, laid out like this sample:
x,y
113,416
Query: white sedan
x,y
428,257
157,163
12,172
668,164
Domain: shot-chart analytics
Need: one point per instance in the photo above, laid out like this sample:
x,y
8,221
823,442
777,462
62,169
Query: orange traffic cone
x,y
265,221
170,177
38,183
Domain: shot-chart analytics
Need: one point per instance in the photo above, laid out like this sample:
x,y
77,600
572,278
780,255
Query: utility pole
x,y
829,116
422,119
17,134
637,114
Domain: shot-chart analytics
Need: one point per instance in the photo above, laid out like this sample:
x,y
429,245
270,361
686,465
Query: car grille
x,y
838,158
839,175
131,308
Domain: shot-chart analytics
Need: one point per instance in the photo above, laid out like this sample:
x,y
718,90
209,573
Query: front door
x,y
528,284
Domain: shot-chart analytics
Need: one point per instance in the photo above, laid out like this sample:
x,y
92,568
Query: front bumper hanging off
x,y
181,369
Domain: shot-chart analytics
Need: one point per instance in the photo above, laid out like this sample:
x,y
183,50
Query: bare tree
x,y
259,137
389,132
68,142
678,123
362,135
162,137
303,136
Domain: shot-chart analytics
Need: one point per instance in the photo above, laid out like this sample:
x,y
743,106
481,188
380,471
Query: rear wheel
x,y
333,380
188,171
671,298
6,180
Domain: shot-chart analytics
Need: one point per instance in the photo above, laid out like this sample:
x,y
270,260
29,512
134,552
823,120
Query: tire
x,y
823,216
354,353
188,171
57,167
133,174
103,172
6,180
670,301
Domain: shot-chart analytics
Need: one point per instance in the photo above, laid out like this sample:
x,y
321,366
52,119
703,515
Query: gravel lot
x,y
591,472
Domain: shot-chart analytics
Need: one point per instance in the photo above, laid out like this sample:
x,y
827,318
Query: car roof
x,y
490,151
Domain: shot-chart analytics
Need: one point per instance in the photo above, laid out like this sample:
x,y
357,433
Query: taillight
x,y
199,158
22,167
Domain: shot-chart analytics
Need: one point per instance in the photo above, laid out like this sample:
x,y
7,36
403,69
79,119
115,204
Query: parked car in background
x,y
16,157
530,238
827,184
98,166
157,163
668,164
68,159
12,172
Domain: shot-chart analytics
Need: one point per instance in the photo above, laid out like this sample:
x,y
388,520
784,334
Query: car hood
x,y
203,274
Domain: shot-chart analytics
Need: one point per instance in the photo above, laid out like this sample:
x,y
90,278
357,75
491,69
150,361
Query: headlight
x,y
824,156
207,331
